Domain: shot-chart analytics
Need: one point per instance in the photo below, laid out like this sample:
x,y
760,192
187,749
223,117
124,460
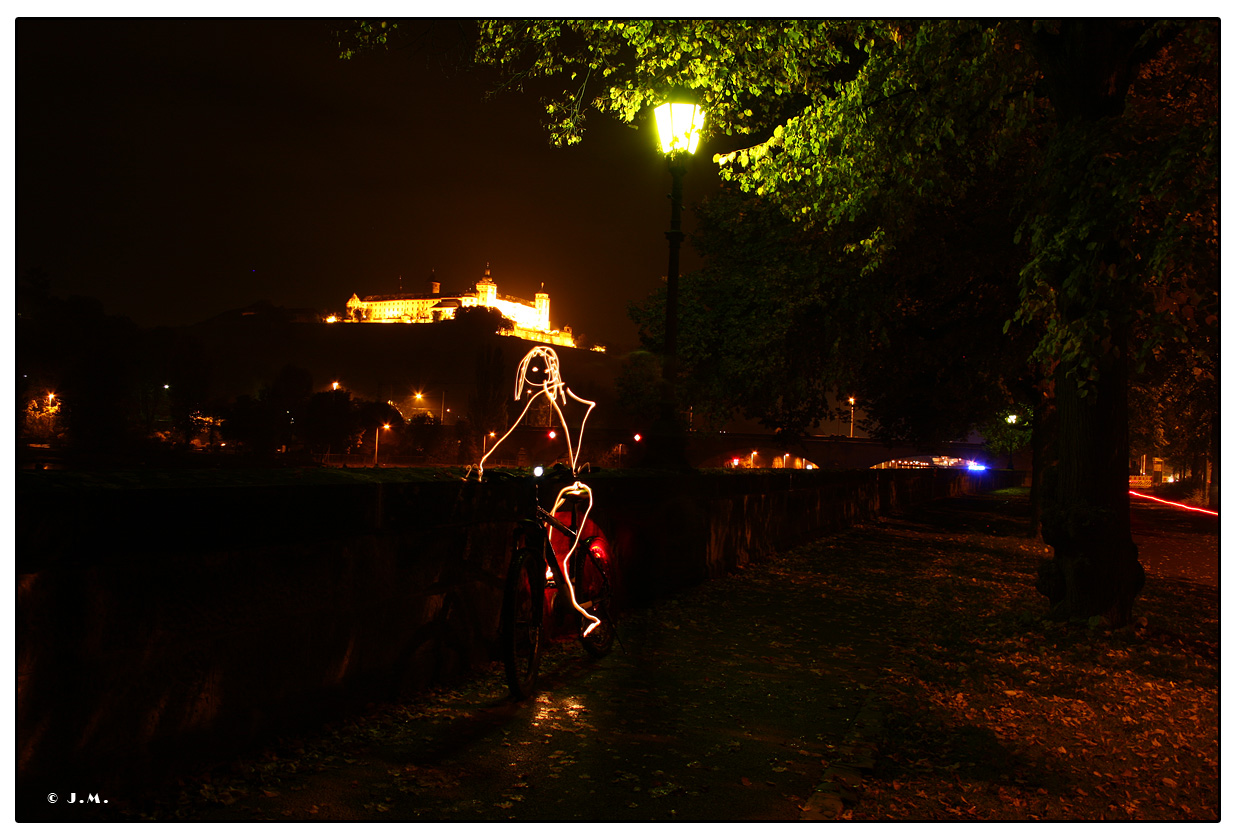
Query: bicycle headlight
x,y
538,471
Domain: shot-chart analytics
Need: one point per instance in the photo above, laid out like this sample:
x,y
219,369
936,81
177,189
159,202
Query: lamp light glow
x,y
679,125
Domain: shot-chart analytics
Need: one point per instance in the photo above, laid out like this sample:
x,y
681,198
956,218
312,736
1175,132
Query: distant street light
x,y
851,417
679,122
334,386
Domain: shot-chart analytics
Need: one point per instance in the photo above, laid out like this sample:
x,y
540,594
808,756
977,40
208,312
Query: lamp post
x,y
679,122
376,432
1012,421
441,417
851,417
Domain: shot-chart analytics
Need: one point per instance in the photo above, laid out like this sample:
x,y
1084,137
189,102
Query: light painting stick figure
x,y
555,391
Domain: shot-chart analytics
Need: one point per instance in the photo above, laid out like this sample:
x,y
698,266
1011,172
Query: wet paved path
x,y
729,703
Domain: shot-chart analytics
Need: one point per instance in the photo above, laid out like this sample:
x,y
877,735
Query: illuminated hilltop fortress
x,y
531,318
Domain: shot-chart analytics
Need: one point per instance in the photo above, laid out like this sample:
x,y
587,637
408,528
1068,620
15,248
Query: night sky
x,y
178,169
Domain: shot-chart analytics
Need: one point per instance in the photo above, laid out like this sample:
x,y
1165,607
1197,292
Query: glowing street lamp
x,y
851,417
680,121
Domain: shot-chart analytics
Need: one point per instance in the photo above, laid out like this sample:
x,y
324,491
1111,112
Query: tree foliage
x,y
861,127
364,36
918,340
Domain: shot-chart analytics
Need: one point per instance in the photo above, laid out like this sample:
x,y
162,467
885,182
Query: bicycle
x,y
539,569
579,566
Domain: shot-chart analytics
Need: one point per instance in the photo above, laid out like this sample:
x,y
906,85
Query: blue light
x,y
976,467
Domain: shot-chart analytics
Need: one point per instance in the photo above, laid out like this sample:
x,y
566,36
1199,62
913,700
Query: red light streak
x,y
1173,504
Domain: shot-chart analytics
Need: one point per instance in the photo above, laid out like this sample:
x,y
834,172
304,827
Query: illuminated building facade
x,y
530,318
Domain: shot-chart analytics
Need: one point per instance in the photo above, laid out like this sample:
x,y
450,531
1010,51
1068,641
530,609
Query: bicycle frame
x,y
541,521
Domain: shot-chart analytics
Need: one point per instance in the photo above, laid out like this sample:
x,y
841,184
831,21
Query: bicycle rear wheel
x,y
596,596
523,620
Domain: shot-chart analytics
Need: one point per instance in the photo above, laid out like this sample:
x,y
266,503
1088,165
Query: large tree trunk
x,y
1087,68
1094,570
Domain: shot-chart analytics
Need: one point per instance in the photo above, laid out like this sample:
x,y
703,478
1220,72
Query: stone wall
x,y
160,629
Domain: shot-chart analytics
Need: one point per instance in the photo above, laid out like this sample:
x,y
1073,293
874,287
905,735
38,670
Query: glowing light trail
x,y
555,391
1173,504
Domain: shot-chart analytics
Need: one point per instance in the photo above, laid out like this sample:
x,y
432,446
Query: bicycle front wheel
x,y
523,620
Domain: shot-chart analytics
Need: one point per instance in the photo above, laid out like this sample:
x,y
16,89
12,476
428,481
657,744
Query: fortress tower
x,y
542,309
486,290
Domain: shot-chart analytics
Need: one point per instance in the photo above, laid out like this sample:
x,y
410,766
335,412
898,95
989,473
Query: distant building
x,y
531,318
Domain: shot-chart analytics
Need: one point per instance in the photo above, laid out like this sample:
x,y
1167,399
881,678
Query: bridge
x,y
748,450
829,452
